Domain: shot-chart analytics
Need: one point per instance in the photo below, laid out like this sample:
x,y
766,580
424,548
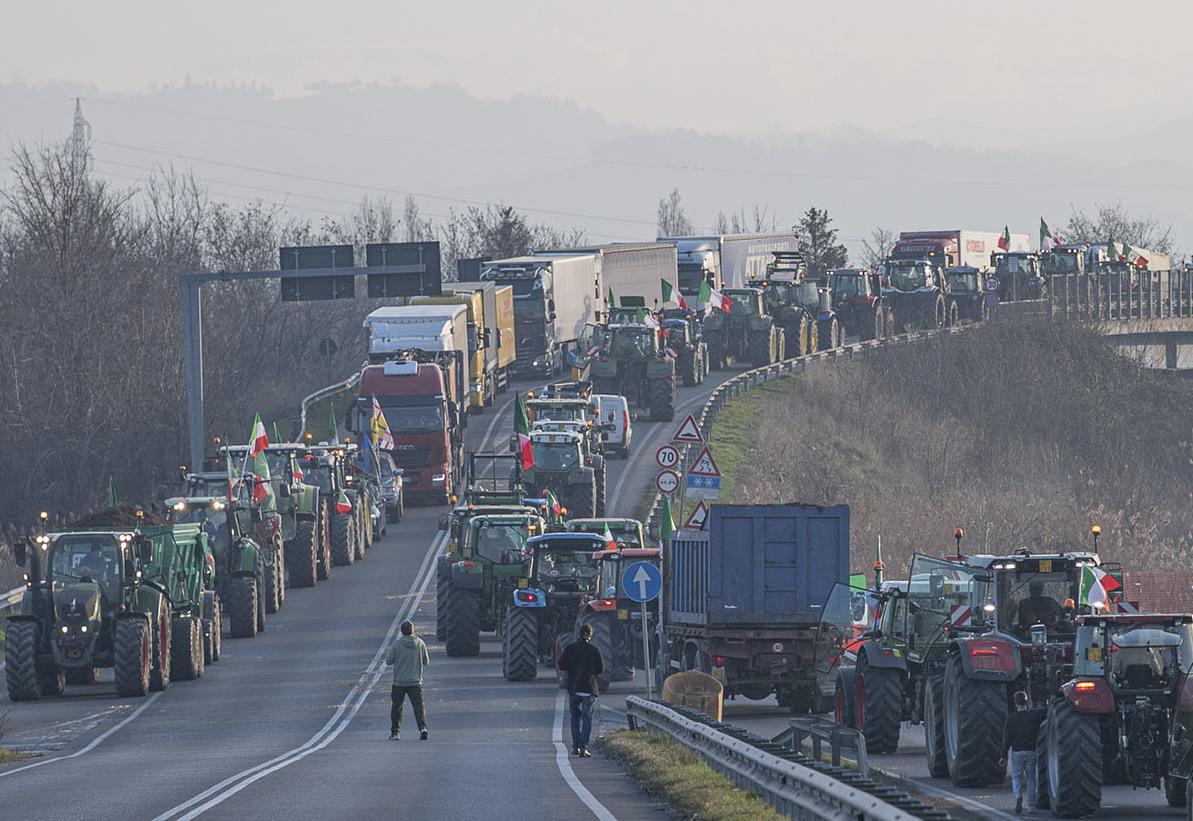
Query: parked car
x,y
617,431
392,496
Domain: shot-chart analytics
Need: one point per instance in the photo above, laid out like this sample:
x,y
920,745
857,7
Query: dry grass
x,y
672,772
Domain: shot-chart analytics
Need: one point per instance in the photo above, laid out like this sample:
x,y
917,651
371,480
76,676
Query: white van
x,y
613,412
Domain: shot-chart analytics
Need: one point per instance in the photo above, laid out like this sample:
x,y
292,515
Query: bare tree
x,y
877,247
672,220
1115,223
414,227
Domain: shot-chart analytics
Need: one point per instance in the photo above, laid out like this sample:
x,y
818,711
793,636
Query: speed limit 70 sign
x,y
667,457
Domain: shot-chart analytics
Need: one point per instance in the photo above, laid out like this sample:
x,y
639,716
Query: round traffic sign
x,y
991,299
667,481
667,457
992,283
642,581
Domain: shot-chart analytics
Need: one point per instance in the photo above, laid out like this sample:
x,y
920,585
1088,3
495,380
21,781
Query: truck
x,y
951,248
726,260
744,598
631,269
555,296
501,347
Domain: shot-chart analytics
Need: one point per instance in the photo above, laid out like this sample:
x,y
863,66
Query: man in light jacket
x,y
408,655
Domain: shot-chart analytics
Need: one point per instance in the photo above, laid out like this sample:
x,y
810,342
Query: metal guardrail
x,y
1137,295
11,599
323,393
819,730
793,784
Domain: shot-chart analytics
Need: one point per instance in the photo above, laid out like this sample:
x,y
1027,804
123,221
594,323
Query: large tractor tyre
x,y
974,715
279,561
879,694
811,337
716,352
602,639
690,372
1174,791
582,501
52,680
760,345
1042,799
953,317
273,582
240,596
442,580
661,398
828,334
364,530
897,324
302,555
938,762
163,652
87,675
343,547
132,646
845,699
520,645
463,622
602,480
933,313
323,540
869,322
213,635
1074,761
186,652
20,661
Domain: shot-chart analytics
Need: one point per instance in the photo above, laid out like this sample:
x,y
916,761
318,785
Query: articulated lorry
x,y
420,378
726,261
953,248
630,269
744,599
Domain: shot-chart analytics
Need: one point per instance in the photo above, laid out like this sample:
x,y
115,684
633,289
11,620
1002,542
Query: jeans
x,y
397,697
582,719
1023,775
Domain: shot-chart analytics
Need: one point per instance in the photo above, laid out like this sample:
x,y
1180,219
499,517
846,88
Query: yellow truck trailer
x,y
491,343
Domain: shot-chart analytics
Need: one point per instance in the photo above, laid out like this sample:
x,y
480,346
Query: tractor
x,y
631,359
615,619
682,330
482,575
1115,721
967,292
918,293
746,333
541,618
1019,275
860,306
564,465
800,307
327,468
626,533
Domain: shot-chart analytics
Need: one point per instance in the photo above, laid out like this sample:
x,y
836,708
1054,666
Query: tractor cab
x,y
965,280
1065,259
562,565
908,275
495,479
1135,653
208,483
573,409
1018,274
853,285
626,533
217,515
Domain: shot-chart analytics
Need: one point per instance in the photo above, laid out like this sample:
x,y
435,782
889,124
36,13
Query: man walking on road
x,y
1019,736
583,663
408,655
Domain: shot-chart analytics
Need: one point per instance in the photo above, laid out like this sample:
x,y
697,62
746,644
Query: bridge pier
x,y
1170,350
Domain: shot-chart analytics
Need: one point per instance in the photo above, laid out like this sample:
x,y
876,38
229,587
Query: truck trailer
x,y
631,269
744,599
726,260
954,248
497,321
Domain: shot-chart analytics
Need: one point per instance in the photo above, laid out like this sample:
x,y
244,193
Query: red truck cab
x,y
424,422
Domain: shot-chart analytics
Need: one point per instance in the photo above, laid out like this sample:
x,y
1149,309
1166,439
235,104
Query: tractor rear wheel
x,y
953,317
868,321
829,334
615,665
20,660
879,694
131,651
213,638
81,675
974,715
661,397
602,477
272,591
1074,760
343,548
442,579
186,650
241,596
760,347
938,763
845,699
52,680
463,622
1174,790
582,501
160,674
716,354
364,531
301,555
520,645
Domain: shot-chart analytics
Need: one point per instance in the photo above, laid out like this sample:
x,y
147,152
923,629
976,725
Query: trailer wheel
x,y
20,660
1074,761
131,646
242,606
213,647
343,551
938,763
974,715
186,650
301,555
879,694
159,676
271,592
844,699
463,622
520,645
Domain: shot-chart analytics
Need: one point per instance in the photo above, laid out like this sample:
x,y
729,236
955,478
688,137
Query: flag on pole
x,y
1004,242
667,527
1134,257
379,429
258,441
1048,240
112,499
649,321
709,296
1096,586
343,503
333,427
257,467
552,502
610,542
670,295
277,437
778,498
522,431
1111,251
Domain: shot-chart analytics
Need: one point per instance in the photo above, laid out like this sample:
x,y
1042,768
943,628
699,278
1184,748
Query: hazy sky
x,y
1013,72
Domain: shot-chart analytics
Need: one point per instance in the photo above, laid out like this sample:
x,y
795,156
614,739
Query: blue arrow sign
x,y
642,581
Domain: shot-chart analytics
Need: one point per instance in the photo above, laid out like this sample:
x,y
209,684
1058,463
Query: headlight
x,y
439,478
83,629
65,629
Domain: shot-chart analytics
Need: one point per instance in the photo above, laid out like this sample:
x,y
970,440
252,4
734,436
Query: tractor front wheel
x,y
242,606
343,548
301,555
879,694
520,645
845,699
20,660
132,647
938,763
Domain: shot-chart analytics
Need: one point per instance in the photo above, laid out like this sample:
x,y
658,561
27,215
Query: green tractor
x,y
132,599
626,533
683,331
631,359
482,576
326,468
747,333
801,307
564,465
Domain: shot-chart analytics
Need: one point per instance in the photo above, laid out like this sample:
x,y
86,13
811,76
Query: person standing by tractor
x,y
1019,737
583,663
408,655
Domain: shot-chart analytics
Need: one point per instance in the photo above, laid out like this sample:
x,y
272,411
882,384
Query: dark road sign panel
x,y
420,274
301,289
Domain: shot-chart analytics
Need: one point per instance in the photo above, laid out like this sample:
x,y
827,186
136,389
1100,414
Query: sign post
x,y
642,582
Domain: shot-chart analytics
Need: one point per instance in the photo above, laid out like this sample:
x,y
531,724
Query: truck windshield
x,y
94,557
848,285
412,418
907,276
555,455
690,276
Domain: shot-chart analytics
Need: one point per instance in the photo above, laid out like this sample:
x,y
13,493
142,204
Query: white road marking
x,y
565,767
335,725
94,743
642,449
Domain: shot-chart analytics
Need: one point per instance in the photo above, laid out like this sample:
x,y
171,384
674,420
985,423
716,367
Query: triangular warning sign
x,y
697,517
689,431
704,465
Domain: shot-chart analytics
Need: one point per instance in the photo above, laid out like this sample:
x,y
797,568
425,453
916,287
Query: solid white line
x,y
639,453
94,743
565,767
334,725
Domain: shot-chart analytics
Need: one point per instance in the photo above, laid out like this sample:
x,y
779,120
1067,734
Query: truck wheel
x,y
270,591
463,622
242,606
845,699
343,548
1174,790
442,577
159,675
301,558
90,675
829,333
20,660
131,651
520,645
582,502
184,642
879,709
1074,760
938,764
661,394
974,715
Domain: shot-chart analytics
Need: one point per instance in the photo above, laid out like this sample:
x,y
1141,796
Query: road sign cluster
x,y
702,480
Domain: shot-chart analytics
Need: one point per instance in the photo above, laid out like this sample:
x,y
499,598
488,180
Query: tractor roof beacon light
x,y
958,534
1096,530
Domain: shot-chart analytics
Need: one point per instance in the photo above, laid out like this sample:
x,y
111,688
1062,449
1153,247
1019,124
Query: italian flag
x,y
343,503
670,295
1134,257
667,528
258,441
1096,587
1004,242
522,430
1047,238
258,467
610,542
552,502
714,298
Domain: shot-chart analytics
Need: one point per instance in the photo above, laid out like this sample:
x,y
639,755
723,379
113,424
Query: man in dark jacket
x,y
1019,737
583,663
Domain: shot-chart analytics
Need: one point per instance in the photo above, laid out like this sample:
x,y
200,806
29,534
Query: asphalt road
x,y
294,723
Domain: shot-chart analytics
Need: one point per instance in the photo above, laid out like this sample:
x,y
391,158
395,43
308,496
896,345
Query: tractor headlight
x,y
65,629
83,629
